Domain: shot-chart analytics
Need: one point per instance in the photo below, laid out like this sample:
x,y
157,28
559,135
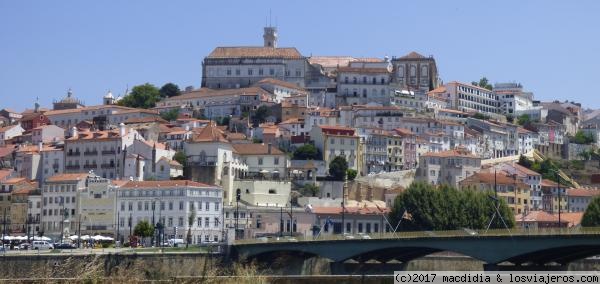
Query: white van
x,y
41,245
175,242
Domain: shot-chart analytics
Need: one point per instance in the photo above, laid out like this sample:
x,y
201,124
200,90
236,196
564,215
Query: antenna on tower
x,y
270,18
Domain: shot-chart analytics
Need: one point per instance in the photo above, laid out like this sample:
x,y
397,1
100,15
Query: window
x,y
206,222
170,205
170,222
139,206
272,191
216,206
260,161
180,221
276,161
271,71
237,72
180,205
206,206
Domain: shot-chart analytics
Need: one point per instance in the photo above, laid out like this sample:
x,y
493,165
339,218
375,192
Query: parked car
x,y
24,246
64,246
40,245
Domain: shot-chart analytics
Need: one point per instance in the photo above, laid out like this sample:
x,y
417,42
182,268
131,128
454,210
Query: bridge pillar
x,y
497,267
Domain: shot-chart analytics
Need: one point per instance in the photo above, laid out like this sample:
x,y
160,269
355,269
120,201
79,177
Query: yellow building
x,y
512,190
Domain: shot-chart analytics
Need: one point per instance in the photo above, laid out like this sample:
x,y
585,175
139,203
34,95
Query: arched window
x,y
354,80
364,79
400,71
364,93
374,80
413,71
424,70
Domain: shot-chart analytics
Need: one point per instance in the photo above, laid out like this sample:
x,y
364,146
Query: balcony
x,y
90,166
107,166
72,167
55,166
72,154
108,152
90,153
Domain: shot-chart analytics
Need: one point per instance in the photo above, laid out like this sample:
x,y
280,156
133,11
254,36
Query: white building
x,y
171,203
469,98
100,151
447,167
512,98
362,82
8,132
47,134
59,205
335,141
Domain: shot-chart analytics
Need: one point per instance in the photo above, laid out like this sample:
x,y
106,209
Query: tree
x,y
261,114
483,82
591,216
310,189
338,167
180,157
424,207
169,90
524,120
307,152
170,115
144,229
191,218
142,96
523,161
351,173
582,138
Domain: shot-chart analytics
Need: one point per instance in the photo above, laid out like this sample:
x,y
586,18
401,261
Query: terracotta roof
x,y
293,121
525,170
255,51
403,131
147,119
163,184
36,148
210,133
413,55
14,180
236,136
5,151
256,149
158,145
583,192
539,216
574,218
67,177
450,153
548,183
335,61
280,83
88,108
23,191
97,135
4,174
369,70
500,177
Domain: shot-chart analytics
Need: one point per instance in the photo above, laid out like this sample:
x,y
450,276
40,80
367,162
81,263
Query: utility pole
x,y
281,222
237,211
559,200
344,206
130,221
4,226
79,232
118,225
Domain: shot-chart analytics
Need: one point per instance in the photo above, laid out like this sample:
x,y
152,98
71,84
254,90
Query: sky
x,y
47,47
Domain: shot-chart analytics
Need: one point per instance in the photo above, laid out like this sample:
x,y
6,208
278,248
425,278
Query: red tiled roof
x,y
210,133
583,192
67,177
351,210
280,83
256,149
413,55
254,52
369,70
450,153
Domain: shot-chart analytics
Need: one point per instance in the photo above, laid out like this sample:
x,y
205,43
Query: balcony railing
x,y
90,153
107,166
55,166
108,152
90,166
74,153
72,167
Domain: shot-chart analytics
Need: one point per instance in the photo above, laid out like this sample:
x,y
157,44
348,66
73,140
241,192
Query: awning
x,y
264,171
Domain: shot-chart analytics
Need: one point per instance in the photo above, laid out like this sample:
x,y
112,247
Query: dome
x,y
108,95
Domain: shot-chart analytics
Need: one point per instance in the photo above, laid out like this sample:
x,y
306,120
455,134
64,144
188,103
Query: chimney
x,y
269,146
122,129
74,133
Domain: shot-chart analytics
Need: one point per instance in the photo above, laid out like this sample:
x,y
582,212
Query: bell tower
x,y
270,37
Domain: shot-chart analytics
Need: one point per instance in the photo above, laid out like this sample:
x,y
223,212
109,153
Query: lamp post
x,y
344,206
559,198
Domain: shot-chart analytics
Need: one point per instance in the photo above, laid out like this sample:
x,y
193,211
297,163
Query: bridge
x,y
517,249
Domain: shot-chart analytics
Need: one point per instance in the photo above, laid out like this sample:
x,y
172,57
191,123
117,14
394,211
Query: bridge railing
x,y
467,233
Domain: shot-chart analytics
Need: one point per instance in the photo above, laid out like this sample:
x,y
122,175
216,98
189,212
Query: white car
x,y
40,245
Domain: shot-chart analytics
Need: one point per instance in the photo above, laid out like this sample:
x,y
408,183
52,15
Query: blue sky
x,y
46,47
